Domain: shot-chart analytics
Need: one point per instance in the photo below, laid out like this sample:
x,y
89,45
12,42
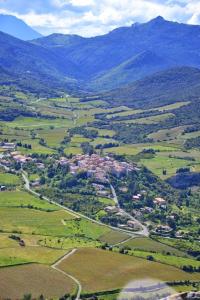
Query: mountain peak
x,y
158,19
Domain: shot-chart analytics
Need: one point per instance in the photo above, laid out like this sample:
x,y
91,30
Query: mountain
x,y
103,63
115,58
159,89
29,64
137,67
17,28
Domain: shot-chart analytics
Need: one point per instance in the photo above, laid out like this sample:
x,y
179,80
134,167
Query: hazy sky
x,y
94,17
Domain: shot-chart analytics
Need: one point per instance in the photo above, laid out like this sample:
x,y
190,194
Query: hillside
x,y
155,45
107,62
30,65
162,88
17,28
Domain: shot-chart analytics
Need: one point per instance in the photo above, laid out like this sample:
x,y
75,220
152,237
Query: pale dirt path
x,y
55,266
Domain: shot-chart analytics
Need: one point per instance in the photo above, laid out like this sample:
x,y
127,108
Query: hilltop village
x,y
97,174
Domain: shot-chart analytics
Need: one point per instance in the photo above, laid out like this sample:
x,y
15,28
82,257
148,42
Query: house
x,y
2,188
133,225
8,146
163,229
103,193
124,189
112,209
40,166
159,201
146,210
136,197
35,183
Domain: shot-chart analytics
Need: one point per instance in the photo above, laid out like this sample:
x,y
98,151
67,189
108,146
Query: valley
x,y
99,162
58,210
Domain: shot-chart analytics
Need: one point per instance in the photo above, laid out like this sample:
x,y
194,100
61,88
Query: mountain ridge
x,y
16,27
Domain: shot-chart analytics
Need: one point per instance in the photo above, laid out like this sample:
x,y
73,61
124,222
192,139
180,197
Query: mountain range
x,y
119,60
17,28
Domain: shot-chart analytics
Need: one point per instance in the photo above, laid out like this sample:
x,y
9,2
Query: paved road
x,y
143,231
27,186
55,266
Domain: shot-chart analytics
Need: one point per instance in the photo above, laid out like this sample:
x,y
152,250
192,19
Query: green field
x,y
34,123
170,164
148,244
175,261
23,199
150,120
9,179
116,270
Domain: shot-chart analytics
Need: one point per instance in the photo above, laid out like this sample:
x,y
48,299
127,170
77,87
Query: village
x,y
99,168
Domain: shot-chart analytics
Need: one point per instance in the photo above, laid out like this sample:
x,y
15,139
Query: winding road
x,y
144,230
28,188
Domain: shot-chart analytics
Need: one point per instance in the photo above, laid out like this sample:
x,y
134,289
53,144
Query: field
x,y
113,237
17,255
33,279
19,199
116,270
175,261
151,120
49,231
148,244
9,179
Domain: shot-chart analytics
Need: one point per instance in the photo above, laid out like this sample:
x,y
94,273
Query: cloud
x,y
94,17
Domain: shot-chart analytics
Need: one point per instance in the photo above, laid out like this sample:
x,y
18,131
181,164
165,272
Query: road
x,y
55,266
144,231
27,187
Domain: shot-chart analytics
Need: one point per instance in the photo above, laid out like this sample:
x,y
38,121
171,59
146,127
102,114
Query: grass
x,y
170,164
38,222
103,132
9,179
53,137
114,237
167,134
19,199
68,243
183,245
148,244
31,123
175,261
32,221
76,140
73,150
36,148
33,279
150,120
106,201
21,255
115,270
134,149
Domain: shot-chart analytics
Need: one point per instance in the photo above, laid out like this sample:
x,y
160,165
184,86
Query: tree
x,y
27,297
42,180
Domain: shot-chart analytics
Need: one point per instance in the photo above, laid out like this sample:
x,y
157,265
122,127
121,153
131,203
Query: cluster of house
x,y
127,224
20,158
101,190
8,146
97,166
